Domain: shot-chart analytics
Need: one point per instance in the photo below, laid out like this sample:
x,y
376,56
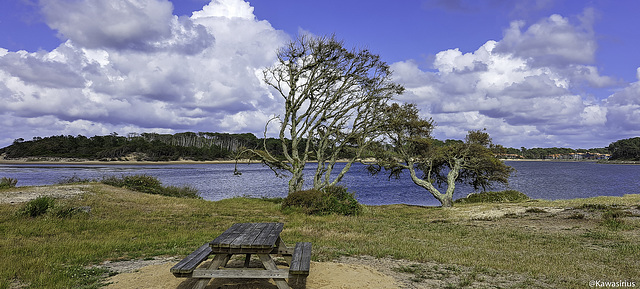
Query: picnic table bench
x,y
260,239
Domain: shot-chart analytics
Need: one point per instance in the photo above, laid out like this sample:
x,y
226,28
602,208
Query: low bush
x,y
38,206
612,219
508,196
75,179
330,200
47,205
6,183
150,185
180,192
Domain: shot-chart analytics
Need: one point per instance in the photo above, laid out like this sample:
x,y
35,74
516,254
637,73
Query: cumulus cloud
x,y
526,88
131,65
144,25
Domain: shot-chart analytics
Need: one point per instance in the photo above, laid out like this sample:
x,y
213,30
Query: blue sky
x,y
534,73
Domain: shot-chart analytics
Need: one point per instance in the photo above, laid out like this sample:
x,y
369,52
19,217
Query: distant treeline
x,y
206,146
200,146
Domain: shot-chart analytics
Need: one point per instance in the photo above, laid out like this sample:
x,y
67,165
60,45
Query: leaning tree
x,y
409,146
332,101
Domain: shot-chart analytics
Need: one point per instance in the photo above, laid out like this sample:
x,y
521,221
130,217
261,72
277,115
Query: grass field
x,y
565,243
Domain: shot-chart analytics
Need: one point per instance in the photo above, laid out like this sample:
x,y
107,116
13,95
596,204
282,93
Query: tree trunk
x,y
297,179
446,201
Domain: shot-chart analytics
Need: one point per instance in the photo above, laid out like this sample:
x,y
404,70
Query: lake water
x,y
539,180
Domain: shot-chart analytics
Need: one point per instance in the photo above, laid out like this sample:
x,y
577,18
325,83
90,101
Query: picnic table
x,y
260,239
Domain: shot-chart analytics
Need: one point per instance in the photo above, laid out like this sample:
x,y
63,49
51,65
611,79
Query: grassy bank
x,y
565,243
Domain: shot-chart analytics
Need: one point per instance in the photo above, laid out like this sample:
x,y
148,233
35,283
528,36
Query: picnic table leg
x,y
283,247
269,264
218,260
247,260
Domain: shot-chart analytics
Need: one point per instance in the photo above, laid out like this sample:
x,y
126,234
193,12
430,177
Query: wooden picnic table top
x,y
247,238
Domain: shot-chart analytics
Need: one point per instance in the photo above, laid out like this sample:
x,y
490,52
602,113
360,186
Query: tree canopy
x,y
625,149
411,147
332,99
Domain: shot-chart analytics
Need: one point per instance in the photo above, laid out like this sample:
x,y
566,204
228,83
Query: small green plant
x,y
75,179
6,183
180,192
323,202
150,185
68,212
611,219
595,207
494,197
38,206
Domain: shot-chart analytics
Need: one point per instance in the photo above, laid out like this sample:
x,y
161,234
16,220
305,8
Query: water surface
x,y
539,180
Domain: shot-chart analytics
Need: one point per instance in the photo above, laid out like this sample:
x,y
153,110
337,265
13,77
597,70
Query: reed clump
x,y
150,185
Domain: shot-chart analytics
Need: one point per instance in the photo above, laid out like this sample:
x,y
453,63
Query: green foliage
x,y
595,207
46,205
410,147
150,185
330,200
6,183
612,219
626,149
37,207
147,146
508,196
74,179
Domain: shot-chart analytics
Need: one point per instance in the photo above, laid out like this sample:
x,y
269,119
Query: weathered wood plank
x,y
281,248
189,263
269,264
248,236
301,259
218,261
241,273
227,237
271,236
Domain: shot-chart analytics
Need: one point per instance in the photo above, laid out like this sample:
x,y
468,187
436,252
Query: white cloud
x,y
525,89
226,9
132,65
551,42
117,24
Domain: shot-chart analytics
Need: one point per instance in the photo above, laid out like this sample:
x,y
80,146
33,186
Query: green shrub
x,y
180,192
38,206
507,196
68,212
330,200
595,207
75,179
612,219
6,183
150,185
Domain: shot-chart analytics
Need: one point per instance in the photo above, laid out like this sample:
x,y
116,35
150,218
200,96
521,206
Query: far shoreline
x,y
59,161
74,161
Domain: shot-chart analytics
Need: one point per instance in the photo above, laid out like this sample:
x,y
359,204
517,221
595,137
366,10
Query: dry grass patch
x,y
539,246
